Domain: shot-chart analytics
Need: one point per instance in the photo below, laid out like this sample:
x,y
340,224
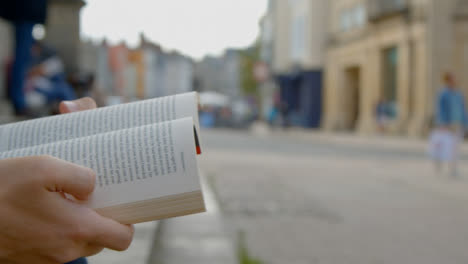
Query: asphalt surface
x,y
307,198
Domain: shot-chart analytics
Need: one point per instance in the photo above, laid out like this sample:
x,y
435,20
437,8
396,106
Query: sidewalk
x,y
195,239
349,138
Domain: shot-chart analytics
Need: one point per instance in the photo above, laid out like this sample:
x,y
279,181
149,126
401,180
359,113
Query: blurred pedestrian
x,y
284,111
451,121
45,83
381,115
24,15
272,115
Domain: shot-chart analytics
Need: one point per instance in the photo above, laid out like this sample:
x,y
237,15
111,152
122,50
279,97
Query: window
x,y
354,17
298,30
382,8
346,22
360,16
298,41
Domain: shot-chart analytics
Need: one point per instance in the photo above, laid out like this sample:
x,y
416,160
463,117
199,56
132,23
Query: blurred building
x,y
393,51
293,44
5,53
207,77
232,64
5,56
178,74
121,72
63,31
136,68
124,74
94,60
219,74
154,75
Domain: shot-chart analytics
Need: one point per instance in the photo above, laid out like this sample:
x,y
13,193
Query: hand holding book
x,y
144,154
39,225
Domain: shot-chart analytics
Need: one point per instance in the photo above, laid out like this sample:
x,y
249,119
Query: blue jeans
x,y
78,261
60,91
23,43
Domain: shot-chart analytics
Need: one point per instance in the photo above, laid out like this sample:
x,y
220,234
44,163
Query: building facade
x,y
392,51
63,31
5,53
220,74
294,35
178,74
154,70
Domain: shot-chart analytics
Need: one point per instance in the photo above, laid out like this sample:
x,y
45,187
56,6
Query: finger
x,y
82,104
111,234
63,176
92,250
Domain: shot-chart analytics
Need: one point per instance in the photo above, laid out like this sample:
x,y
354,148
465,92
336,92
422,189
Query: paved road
x,y
306,199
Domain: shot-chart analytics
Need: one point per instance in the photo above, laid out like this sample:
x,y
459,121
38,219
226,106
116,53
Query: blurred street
x,y
317,198
317,117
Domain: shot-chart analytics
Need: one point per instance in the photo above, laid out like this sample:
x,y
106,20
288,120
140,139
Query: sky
x,y
193,27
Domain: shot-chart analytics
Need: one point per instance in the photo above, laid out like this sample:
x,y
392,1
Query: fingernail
x,y
71,106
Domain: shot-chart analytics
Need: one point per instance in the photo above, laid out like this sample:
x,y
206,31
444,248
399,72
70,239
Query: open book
x,y
143,153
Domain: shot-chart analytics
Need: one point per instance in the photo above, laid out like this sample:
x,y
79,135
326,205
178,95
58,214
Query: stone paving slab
x,y
200,238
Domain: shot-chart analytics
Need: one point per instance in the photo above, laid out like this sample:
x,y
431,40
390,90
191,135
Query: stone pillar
x,y
420,117
6,52
6,49
330,97
370,92
403,85
63,31
460,54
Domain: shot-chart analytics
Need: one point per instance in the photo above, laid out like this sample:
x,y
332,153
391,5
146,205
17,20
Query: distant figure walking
x,y
284,111
451,119
381,115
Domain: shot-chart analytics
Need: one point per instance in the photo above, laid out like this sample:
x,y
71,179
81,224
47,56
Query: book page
x,y
96,121
131,165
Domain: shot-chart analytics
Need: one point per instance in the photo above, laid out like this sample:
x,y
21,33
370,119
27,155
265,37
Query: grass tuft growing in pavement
x,y
243,253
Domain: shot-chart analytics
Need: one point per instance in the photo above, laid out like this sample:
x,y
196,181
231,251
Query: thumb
x,y
63,176
82,104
